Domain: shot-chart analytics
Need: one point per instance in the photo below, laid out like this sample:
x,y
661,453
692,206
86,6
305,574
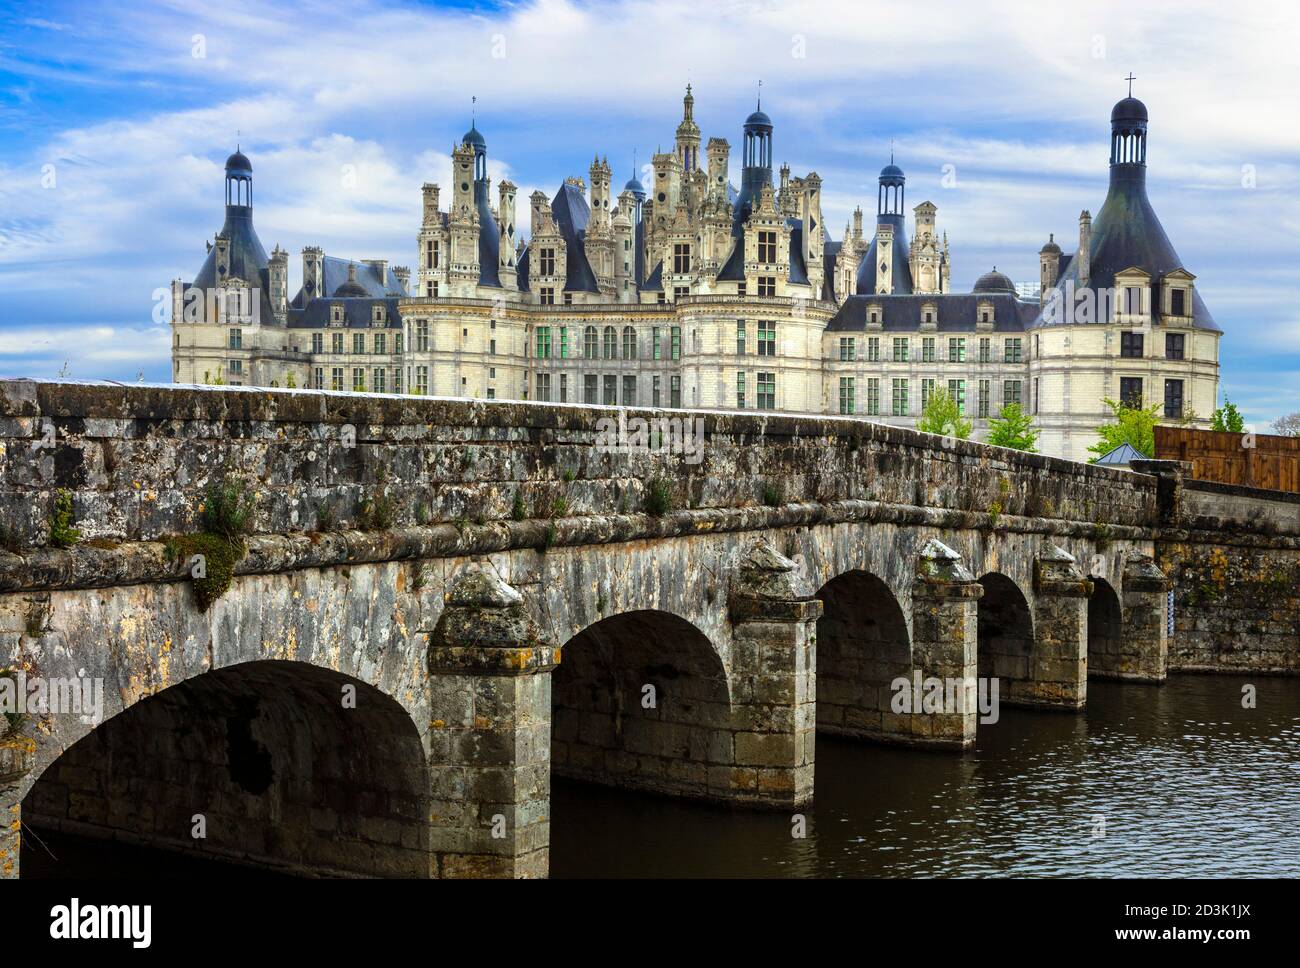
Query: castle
x,y
691,293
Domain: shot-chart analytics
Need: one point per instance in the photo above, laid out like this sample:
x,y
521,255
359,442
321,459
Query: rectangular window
x,y
1174,343
767,285
610,397
766,250
546,262
873,349
336,342
740,390
873,397
1130,344
1035,401
544,386
320,378
422,380
984,398
1178,302
986,350
568,299
1011,350
1130,391
1174,399
543,346
675,391
564,388
848,349
927,349
397,342
767,391
927,388
236,339
564,342
740,288
1132,300
957,390
1010,392
397,379
846,394
766,339
381,343
676,334
422,336
658,348
318,342
900,404
956,349
656,390
740,337
629,391
590,388
380,382
546,296
358,343
681,257
336,378
359,379
901,346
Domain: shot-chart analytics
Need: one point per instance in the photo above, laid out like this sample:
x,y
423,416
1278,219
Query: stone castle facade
x,y
693,293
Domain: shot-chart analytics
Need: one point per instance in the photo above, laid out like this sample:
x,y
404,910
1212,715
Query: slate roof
x,y
248,259
902,271
356,313
571,213
336,275
957,312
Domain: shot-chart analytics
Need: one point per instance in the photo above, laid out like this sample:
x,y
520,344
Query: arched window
x,y
611,343
629,343
590,349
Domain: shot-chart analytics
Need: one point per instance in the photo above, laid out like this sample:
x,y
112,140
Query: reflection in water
x,y
1188,783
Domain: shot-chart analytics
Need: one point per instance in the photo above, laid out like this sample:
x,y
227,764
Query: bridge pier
x,y
945,640
1144,645
490,733
774,682
1058,665
16,760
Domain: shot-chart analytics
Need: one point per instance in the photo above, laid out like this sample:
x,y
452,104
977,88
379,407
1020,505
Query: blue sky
x,y
115,121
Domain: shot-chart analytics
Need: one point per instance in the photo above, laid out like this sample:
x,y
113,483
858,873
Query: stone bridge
x,y
435,604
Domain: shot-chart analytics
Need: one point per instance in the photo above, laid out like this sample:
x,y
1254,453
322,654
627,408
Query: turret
x,y
1084,257
278,276
1049,268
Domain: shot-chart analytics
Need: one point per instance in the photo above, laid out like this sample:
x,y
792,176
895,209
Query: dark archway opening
x,y
862,647
275,764
641,701
1105,630
1005,635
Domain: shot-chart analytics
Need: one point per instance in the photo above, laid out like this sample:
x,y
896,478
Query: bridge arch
x,y
1106,644
863,645
1005,631
642,700
270,763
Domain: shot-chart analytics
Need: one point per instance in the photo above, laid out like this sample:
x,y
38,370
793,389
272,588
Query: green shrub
x,y
227,508
62,533
658,497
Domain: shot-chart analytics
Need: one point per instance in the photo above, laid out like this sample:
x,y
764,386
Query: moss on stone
x,y
62,533
219,555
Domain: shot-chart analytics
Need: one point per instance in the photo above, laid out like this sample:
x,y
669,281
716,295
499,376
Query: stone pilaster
x,y
1144,652
945,643
17,754
774,681
490,732
1058,665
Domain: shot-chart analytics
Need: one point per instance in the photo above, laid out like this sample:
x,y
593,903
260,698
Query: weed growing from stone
x,y
62,533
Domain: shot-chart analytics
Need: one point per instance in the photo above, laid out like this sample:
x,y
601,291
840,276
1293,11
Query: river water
x,y
1177,780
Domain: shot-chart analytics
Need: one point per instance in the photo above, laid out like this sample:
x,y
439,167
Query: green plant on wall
x,y
211,555
62,533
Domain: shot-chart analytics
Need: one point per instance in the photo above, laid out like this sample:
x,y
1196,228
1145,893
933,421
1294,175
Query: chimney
x,y
430,203
1085,244
403,279
380,266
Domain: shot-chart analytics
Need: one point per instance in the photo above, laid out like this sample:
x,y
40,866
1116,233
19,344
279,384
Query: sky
x,y
116,119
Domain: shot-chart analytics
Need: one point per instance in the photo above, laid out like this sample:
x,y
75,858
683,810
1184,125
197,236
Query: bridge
x,y
435,605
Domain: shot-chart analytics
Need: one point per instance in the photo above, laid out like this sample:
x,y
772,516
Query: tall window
x,y
381,343
675,391
984,398
319,382
590,388
986,350
927,349
957,390
318,342
1130,390
546,295
873,349
564,345
336,342
358,343
681,257
543,342
610,345
740,390
740,337
629,343
766,338
422,335
927,388
1178,302
846,394
236,339
848,349
767,391
1010,392
1011,350
1174,399
543,386
766,248
590,345
676,354
336,378
1130,344
1132,300
1174,343
610,397
956,349
900,405
901,346
359,379
656,390
379,380
629,391
656,344
546,262
397,342
873,397
422,380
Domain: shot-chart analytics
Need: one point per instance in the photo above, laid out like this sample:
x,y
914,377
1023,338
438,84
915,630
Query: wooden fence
x,y
1254,460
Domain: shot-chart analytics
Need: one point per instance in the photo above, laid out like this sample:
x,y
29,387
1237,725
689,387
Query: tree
x,y
942,416
1288,425
1228,417
1134,426
1013,428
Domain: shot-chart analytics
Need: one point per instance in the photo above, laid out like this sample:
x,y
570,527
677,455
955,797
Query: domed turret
x,y
239,179
1051,248
351,289
995,281
474,138
1129,109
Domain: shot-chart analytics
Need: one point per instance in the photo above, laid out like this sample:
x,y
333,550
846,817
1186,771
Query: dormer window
x,y
336,315
767,247
1177,301
546,262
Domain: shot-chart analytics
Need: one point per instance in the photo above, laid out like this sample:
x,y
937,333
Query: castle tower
x,y
688,136
278,276
1049,267
757,171
719,152
463,223
810,211
895,271
925,255
508,271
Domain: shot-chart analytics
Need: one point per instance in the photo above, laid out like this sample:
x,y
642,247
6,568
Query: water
x,y
1188,783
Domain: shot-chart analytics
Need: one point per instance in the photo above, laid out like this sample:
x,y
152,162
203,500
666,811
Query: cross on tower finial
x,y
473,110
891,151
760,95
1131,78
